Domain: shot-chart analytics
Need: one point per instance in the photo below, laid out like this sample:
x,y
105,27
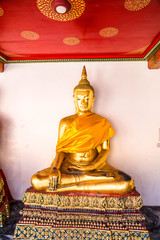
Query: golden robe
x,y
86,132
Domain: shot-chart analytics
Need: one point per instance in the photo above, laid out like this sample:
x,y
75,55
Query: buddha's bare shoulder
x,y
66,121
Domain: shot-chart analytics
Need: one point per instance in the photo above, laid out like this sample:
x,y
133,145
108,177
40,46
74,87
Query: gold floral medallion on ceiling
x,y
135,5
30,35
108,32
1,11
76,10
71,41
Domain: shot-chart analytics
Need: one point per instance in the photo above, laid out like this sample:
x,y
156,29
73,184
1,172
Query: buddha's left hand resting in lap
x,y
82,149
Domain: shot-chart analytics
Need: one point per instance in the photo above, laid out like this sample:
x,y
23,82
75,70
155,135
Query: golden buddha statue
x,y
82,149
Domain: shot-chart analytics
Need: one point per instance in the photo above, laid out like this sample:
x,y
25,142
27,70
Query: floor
x,y
152,215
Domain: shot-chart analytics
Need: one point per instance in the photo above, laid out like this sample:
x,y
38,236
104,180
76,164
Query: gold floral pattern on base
x,y
108,32
31,231
53,217
82,202
44,232
116,224
81,216
135,5
77,8
71,41
29,35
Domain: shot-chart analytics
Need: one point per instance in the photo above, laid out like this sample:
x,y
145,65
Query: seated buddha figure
x,y
82,149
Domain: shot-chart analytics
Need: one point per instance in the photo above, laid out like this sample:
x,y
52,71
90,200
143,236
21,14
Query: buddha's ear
x,y
74,98
75,103
93,100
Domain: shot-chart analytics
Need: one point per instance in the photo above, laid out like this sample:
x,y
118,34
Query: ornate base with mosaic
x,y
4,206
81,216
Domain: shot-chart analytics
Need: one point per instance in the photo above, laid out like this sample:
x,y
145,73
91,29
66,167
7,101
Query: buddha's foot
x,y
100,173
110,186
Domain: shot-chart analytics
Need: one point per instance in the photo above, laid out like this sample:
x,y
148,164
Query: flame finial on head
x,y
84,84
84,73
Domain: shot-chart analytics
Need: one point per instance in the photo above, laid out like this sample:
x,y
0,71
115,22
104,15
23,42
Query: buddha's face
x,y
83,100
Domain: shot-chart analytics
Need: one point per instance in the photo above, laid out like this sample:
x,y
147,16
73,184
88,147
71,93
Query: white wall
x,y
34,97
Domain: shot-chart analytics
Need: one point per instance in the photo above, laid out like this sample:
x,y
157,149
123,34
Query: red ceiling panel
x,y
106,28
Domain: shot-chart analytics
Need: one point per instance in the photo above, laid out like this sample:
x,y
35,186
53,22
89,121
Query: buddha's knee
x,y
126,186
35,182
124,176
39,183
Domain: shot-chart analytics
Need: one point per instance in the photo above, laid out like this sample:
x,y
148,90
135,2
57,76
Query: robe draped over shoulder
x,y
86,132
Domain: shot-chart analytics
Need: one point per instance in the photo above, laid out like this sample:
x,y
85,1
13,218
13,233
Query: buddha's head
x,y
84,94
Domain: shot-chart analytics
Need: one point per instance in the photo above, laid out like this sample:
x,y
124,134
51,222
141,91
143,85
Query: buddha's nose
x,y
83,101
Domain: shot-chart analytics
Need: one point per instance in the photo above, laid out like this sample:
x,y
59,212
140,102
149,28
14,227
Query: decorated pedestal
x,y
78,215
4,206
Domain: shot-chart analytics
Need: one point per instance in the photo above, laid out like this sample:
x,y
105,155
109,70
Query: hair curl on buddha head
x,y
84,84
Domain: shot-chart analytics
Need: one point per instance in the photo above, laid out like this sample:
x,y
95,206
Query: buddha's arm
x,y
55,174
57,161
98,161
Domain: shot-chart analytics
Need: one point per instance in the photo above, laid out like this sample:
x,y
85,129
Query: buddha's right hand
x,y
54,179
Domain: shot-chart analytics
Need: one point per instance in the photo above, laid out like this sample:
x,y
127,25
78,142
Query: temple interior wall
x,y
35,96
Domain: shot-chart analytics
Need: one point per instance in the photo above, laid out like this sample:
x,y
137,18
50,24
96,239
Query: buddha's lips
x,y
84,106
